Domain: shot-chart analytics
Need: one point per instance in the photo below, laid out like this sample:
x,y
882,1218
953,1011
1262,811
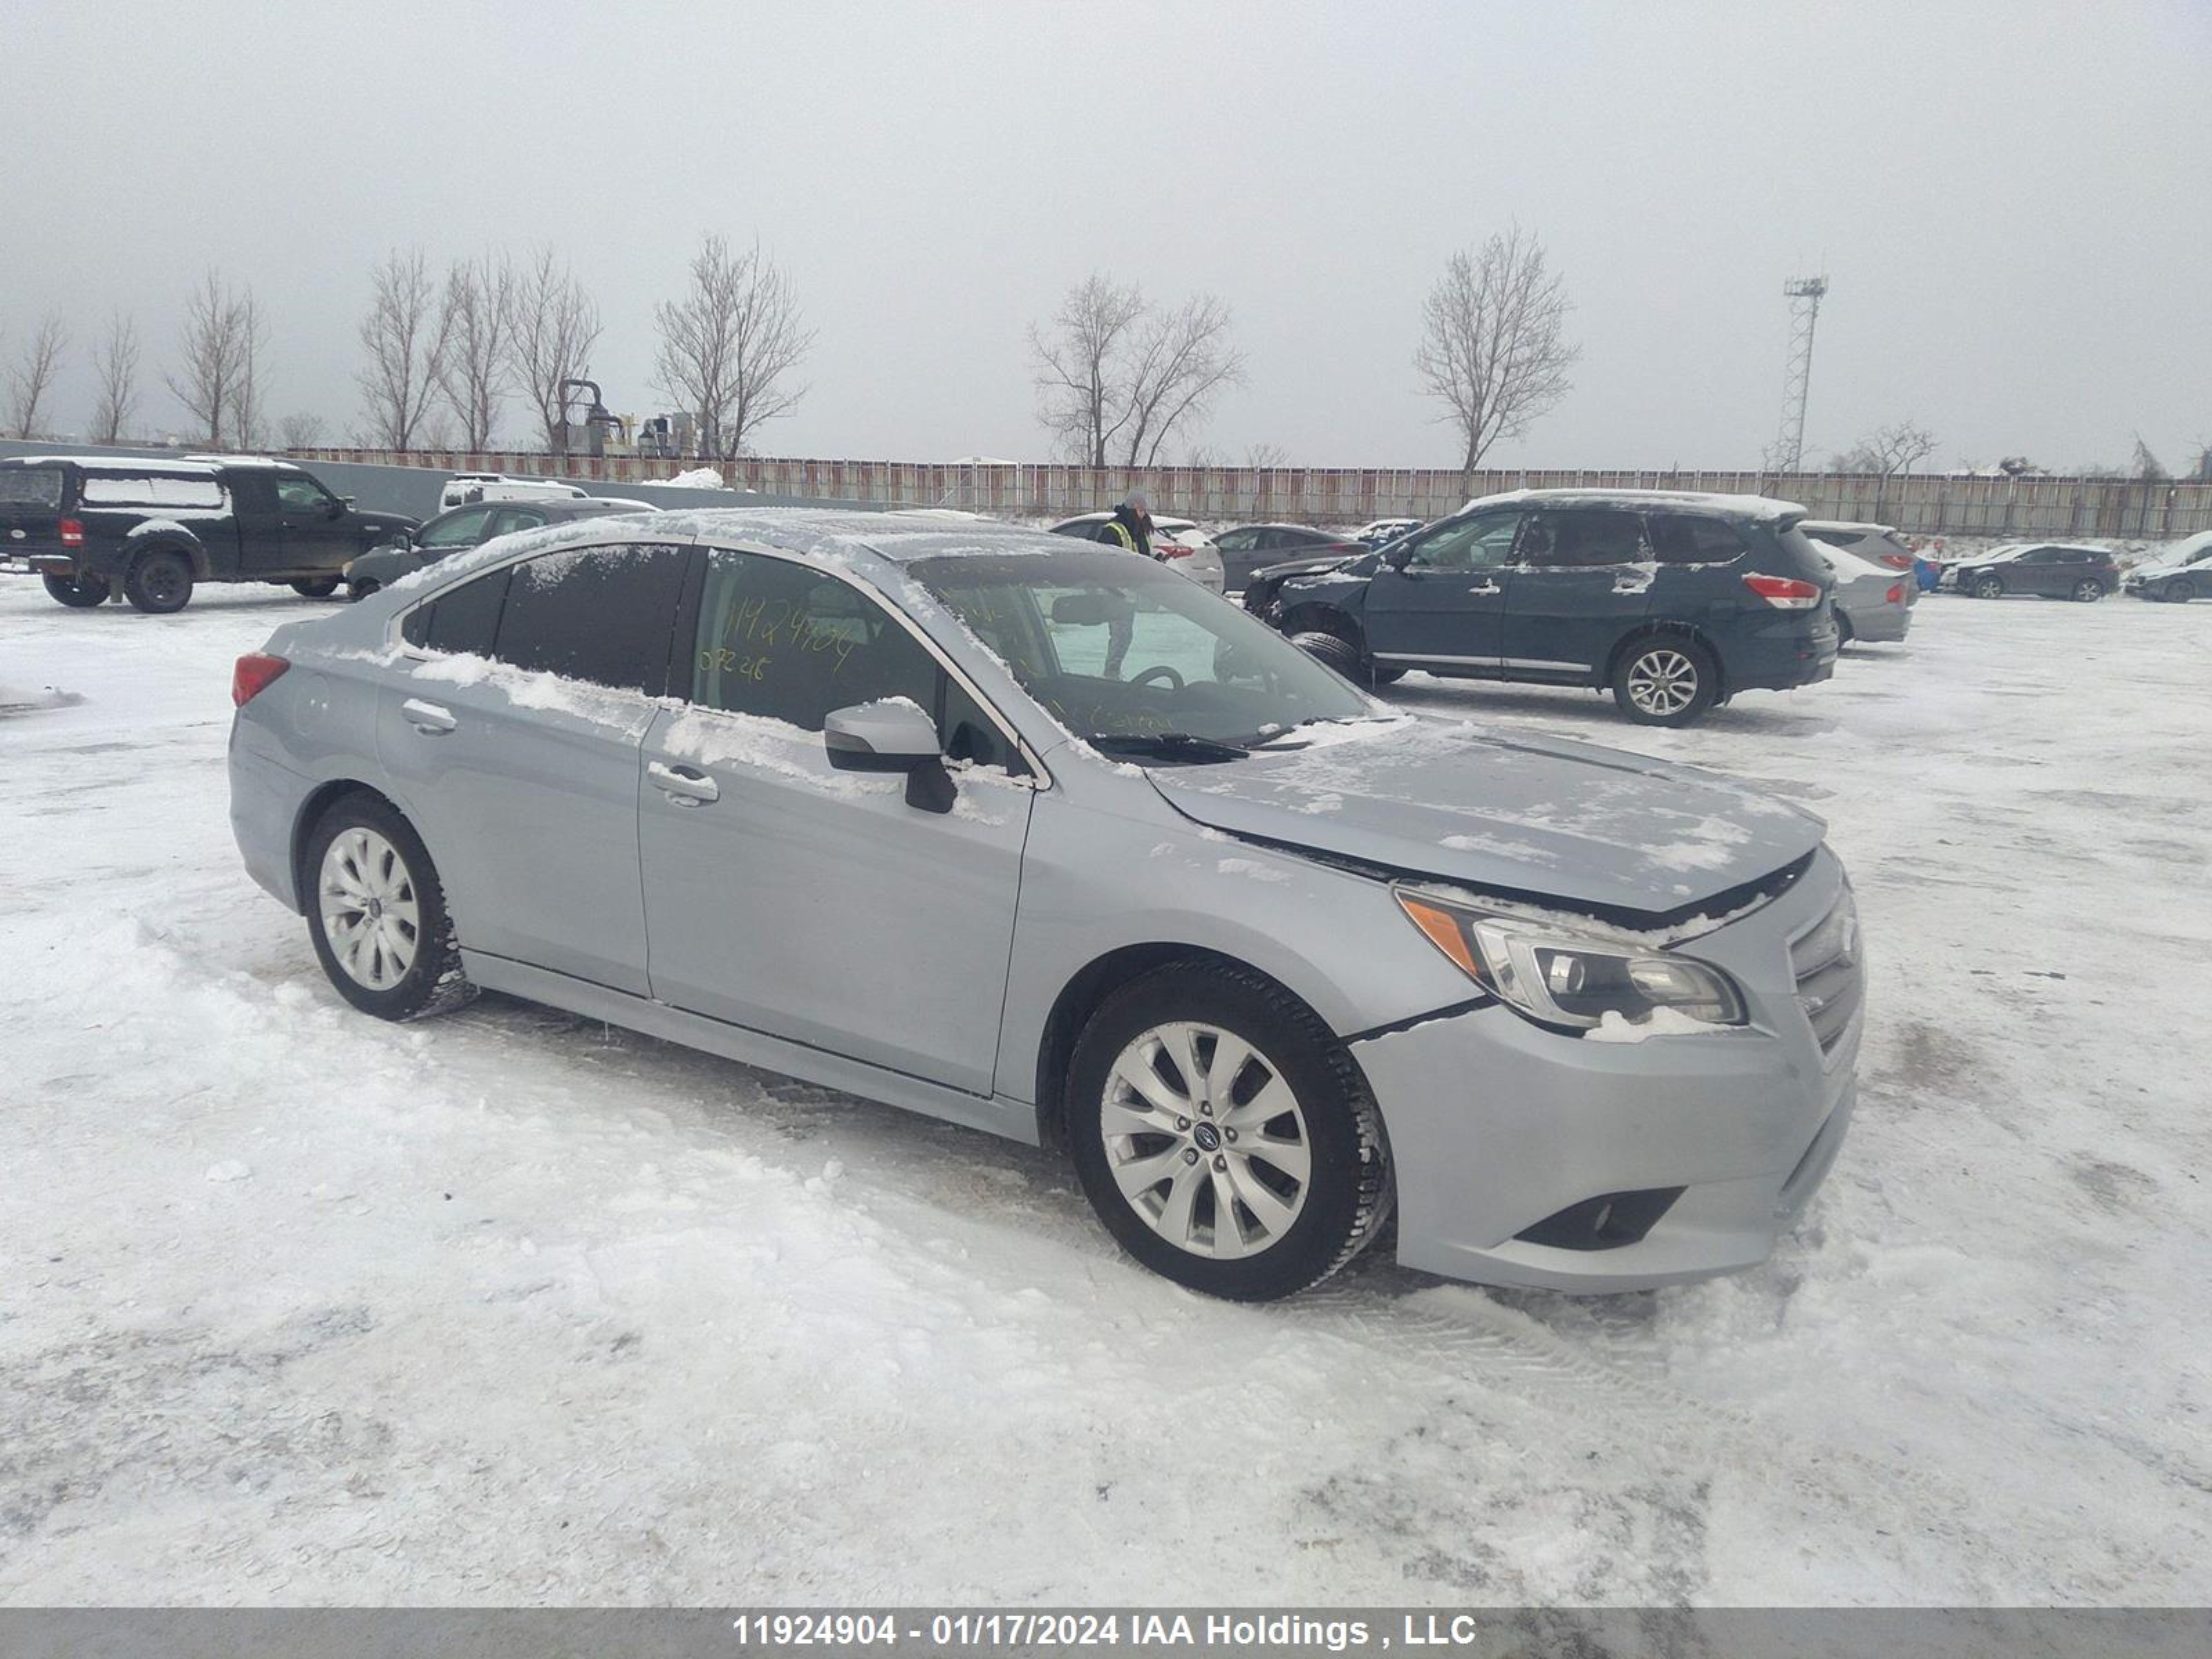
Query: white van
x,y
463,488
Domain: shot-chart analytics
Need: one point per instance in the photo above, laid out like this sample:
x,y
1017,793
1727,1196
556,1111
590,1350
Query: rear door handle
x,y
428,717
1631,584
685,786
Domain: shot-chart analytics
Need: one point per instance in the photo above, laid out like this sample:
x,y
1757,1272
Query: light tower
x,y
1804,296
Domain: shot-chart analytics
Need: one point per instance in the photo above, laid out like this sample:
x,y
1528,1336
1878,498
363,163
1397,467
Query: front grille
x,y
1830,978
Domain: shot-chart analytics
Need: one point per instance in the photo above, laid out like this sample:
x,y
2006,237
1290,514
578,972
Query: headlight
x,y
1562,977
346,569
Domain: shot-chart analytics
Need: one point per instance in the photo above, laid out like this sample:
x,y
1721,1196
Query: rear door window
x,y
602,615
1576,536
141,489
1683,538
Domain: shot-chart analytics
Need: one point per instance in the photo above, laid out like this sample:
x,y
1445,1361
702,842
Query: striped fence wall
x,y
1920,503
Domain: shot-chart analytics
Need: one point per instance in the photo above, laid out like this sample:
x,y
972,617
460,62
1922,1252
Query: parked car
x,y
463,528
1873,602
1676,601
1178,542
855,797
462,488
95,525
2176,573
1876,543
1251,547
1376,532
2054,570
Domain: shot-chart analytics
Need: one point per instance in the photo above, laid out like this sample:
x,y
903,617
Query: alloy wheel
x,y
1206,1141
369,911
1662,682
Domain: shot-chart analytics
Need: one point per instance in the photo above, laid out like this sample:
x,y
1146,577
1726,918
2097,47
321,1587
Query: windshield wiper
x,y
1169,745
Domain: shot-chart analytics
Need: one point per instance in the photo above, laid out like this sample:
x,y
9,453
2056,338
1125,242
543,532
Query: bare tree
x,y
1264,458
553,329
727,344
2144,465
300,431
1888,450
2201,473
479,324
212,343
1119,379
248,418
31,376
1494,349
1080,380
115,379
404,336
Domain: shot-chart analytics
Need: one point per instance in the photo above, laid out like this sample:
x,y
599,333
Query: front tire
x,y
377,914
320,588
1989,587
160,583
356,592
80,594
1666,680
2180,591
1223,1136
1335,651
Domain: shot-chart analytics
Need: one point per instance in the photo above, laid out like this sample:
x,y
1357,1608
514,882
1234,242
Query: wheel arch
x,y
192,550
1087,990
1666,628
317,801
1319,617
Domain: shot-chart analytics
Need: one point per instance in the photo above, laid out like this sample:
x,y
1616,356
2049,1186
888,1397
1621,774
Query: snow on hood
x,y
1532,816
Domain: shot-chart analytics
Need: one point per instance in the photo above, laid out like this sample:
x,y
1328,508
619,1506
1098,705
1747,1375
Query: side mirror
x,y
892,736
338,505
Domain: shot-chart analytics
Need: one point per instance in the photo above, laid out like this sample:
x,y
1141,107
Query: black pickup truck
x,y
100,527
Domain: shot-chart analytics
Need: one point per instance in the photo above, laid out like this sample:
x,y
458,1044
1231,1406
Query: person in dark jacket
x,y
1130,527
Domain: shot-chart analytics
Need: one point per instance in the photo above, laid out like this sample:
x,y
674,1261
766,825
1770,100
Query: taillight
x,y
1896,594
1896,561
1785,593
1171,551
72,532
253,676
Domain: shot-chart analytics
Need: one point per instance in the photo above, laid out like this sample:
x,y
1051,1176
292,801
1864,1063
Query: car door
x,y
1240,556
514,744
260,520
2036,571
317,534
1582,578
813,904
1440,597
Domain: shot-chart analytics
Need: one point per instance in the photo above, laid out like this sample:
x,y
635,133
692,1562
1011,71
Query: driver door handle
x,y
1487,587
428,717
685,786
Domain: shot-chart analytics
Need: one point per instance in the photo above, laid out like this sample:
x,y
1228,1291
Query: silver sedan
x,y
1044,840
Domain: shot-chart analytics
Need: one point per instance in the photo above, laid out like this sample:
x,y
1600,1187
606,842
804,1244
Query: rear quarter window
x,y
31,486
1681,538
140,489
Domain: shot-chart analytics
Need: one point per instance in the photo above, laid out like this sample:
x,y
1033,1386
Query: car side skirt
x,y
1014,1120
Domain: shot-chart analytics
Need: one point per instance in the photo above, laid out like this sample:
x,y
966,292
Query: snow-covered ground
x,y
509,1307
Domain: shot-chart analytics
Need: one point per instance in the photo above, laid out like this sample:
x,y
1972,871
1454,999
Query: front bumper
x,y
1497,1125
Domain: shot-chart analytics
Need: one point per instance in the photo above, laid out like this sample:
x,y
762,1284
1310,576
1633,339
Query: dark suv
x,y
1676,601
2052,569
95,526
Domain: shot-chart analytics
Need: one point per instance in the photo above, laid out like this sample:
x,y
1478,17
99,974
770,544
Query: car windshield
x,y
1133,657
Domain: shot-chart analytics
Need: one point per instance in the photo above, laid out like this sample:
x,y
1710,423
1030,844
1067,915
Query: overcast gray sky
x,y
2013,201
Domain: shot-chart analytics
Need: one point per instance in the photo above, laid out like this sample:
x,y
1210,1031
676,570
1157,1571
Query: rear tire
x,y
377,914
2089,591
1844,633
1666,680
1315,1202
160,583
81,594
321,588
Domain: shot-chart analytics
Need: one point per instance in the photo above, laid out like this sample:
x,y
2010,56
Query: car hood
x,y
1589,826
1311,565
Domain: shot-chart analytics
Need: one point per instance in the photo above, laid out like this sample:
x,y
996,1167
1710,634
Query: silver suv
x,y
1041,838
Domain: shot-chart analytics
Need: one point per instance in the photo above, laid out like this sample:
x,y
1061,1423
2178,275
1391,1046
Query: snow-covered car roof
x,y
1761,508
195,467
1864,526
